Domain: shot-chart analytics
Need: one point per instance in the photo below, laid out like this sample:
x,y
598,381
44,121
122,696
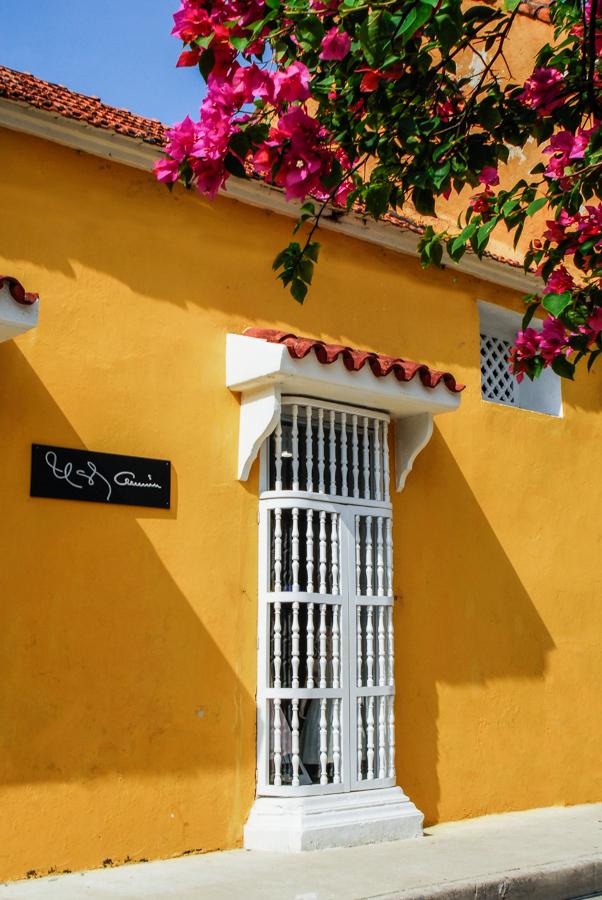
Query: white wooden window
x,y
498,329
326,650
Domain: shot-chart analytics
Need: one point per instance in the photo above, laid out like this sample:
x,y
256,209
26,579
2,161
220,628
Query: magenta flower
x,y
542,91
481,203
166,170
292,84
489,176
595,321
559,281
335,44
553,339
180,139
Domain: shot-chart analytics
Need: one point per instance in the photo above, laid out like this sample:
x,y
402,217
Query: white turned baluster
x,y
309,452
344,489
295,447
389,559
333,454
366,460
277,549
321,450
380,558
355,457
391,648
277,745
296,587
370,739
382,644
310,645
277,604
377,461
358,556
369,566
391,738
309,544
334,552
322,628
336,743
336,645
323,742
382,738
295,550
278,461
310,606
322,552
295,646
358,641
386,459
295,742
370,646
360,739
322,645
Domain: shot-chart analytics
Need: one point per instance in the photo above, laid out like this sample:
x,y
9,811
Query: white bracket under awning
x,y
262,371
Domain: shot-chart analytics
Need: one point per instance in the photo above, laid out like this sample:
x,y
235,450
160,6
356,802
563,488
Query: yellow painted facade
x,y
128,663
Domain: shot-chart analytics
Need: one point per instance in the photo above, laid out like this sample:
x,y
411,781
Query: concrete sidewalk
x,y
546,854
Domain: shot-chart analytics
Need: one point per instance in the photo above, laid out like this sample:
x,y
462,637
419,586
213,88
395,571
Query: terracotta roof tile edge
x,y
17,291
354,360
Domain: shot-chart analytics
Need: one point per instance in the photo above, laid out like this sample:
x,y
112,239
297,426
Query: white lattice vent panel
x,y
497,382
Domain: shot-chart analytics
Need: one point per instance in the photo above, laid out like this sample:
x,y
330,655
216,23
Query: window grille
x,y
497,382
326,652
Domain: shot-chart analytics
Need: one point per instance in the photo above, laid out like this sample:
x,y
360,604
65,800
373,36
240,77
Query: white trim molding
x,y
262,372
15,318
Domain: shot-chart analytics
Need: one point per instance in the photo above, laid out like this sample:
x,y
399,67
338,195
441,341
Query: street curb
x,y
570,880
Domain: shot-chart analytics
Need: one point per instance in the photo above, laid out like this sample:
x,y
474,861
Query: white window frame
x,y
348,694
544,395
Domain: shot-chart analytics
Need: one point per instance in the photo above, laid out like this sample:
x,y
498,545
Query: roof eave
x,y
135,152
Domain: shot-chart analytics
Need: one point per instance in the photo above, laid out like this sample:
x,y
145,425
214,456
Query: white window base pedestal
x,y
293,824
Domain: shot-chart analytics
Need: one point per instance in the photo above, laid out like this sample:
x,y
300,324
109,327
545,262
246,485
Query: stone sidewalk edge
x,y
569,880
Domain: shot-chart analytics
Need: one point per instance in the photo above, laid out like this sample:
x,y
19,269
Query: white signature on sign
x,y
91,475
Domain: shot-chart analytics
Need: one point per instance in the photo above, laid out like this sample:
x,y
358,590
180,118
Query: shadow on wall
x,y
105,665
464,618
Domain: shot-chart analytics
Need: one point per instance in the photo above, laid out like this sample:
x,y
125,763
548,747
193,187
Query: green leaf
x,y
556,303
312,250
536,206
531,310
206,62
416,18
424,201
310,31
298,290
306,270
234,166
563,367
377,199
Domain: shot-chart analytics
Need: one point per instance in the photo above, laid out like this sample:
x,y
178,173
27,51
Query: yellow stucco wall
x,y
127,667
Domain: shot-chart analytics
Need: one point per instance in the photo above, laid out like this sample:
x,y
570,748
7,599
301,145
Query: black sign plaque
x,y
99,477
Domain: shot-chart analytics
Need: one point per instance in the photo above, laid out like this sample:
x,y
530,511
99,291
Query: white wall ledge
x,y
15,318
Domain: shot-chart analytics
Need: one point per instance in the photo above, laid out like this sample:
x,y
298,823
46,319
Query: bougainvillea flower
x,y
543,90
489,176
292,84
595,321
559,281
335,44
166,170
553,339
371,80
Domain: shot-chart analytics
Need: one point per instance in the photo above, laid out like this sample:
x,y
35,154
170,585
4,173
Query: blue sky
x,y
118,50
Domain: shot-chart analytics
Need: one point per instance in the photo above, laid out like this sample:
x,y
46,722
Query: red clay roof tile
x,y
25,88
17,291
354,360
